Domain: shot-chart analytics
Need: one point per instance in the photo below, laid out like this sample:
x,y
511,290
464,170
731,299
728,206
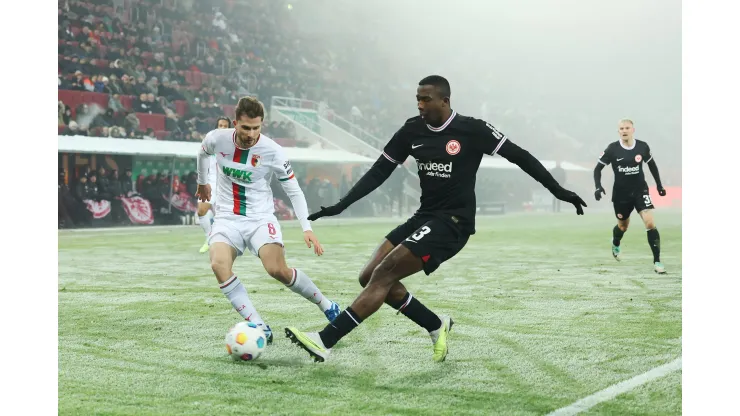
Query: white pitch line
x,y
617,389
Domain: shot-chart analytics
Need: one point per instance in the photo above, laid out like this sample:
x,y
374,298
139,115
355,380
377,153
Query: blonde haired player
x,y
246,160
630,190
205,213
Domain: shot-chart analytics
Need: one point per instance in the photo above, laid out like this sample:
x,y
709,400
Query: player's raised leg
x,y
269,240
205,219
401,299
653,239
225,245
222,259
399,263
426,249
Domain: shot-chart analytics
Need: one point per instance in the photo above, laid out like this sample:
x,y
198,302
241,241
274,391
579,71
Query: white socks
x,y
205,222
237,295
304,286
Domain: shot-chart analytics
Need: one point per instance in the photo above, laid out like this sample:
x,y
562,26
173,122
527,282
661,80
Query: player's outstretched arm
x,y
529,164
654,171
378,173
597,181
297,200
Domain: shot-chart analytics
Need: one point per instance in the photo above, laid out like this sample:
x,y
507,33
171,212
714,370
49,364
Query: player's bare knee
x,y
623,226
649,225
220,267
364,277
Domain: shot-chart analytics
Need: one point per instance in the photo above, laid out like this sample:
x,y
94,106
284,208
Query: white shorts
x,y
242,233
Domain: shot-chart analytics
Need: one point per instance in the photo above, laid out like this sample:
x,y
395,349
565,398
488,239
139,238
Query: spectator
x,y
74,130
127,183
83,189
93,187
104,188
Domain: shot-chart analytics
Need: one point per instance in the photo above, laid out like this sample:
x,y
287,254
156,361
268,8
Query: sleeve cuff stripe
x,y
390,158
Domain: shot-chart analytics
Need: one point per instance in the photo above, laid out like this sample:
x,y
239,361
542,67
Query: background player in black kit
x,y
448,148
630,191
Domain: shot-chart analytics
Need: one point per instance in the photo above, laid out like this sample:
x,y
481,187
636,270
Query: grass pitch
x,y
544,316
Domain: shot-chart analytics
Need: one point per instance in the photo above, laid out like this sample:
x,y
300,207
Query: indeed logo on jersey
x,y
440,170
242,175
629,171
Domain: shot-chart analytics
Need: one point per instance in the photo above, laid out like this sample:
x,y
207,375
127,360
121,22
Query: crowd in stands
x,y
164,70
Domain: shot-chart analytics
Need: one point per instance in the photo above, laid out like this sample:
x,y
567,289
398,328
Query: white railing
x,y
339,121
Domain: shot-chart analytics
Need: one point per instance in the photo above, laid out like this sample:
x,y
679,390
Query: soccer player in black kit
x,y
630,190
448,148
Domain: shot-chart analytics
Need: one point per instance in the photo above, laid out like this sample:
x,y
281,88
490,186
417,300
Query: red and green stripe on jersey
x,y
239,191
292,175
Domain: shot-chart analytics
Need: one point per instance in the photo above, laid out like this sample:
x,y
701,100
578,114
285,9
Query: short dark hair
x,y
250,107
228,120
438,82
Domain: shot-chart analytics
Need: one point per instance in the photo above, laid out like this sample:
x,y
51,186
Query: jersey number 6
x,y
424,231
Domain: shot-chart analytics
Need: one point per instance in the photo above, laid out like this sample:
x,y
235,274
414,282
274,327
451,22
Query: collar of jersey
x,y
442,127
620,143
233,139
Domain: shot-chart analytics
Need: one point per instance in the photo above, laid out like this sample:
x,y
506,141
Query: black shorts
x,y
639,201
430,238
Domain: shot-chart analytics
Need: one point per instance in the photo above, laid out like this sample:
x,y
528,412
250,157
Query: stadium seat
x,y
96,98
70,98
153,121
127,101
181,107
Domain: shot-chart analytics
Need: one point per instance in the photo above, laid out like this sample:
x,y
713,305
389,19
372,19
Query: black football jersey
x,y
627,164
448,158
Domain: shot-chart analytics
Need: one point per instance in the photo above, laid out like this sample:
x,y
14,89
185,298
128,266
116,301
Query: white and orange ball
x,y
245,341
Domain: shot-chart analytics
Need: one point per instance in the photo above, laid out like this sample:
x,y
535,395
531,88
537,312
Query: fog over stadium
x,y
574,67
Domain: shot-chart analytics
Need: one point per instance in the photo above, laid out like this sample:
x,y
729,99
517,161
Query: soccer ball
x,y
245,341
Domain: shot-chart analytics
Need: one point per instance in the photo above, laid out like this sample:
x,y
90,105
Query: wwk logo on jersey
x,y
629,171
242,175
440,170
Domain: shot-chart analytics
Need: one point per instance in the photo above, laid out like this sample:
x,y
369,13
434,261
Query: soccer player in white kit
x,y
205,213
245,220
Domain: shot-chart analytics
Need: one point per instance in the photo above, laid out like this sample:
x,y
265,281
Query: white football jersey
x,y
244,176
